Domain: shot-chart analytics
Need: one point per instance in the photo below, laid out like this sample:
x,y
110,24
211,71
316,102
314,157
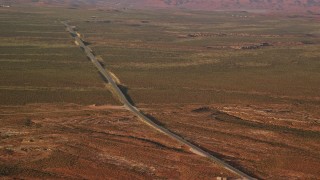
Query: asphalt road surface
x,y
193,148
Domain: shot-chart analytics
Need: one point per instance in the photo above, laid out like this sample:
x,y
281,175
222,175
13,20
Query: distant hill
x,y
247,5
271,5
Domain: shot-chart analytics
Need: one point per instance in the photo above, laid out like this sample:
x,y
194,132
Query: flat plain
x,y
243,86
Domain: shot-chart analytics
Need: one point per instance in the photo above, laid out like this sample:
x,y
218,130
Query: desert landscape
x,y
159,89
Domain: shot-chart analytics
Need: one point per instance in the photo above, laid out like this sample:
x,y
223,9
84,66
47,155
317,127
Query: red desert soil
x,y
71,141
275,141
272,141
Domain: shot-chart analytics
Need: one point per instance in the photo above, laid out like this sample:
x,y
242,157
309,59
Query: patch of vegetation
x,y
8,170
8,151
156,63
221,116
153,56
28,122
39,63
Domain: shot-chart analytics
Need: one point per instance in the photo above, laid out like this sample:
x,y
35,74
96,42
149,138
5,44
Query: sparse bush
x,y
7,170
